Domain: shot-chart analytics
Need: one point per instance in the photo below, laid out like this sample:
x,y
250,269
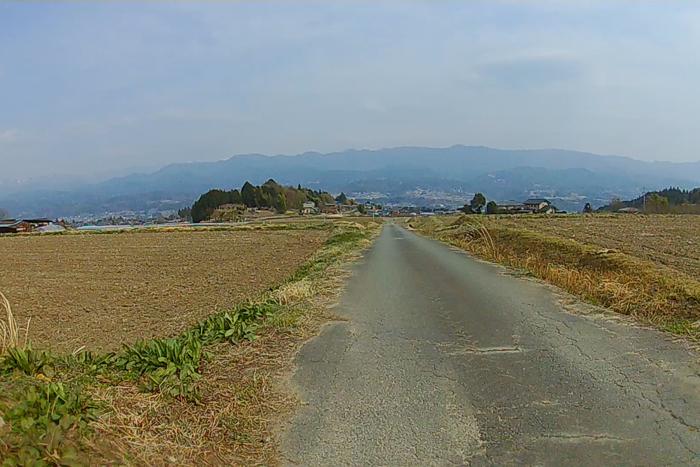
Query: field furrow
x,y
101,291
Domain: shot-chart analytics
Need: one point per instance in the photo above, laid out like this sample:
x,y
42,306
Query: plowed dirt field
x,y
101,291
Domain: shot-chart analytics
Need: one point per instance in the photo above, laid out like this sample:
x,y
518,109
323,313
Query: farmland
x,y
186,334
101,291
668,240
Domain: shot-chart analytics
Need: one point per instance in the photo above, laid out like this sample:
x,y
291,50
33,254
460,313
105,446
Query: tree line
x,y
269,195
477,205
669,200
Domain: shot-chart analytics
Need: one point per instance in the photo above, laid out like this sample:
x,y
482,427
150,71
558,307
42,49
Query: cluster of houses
x,y
529,206
310,208
11,226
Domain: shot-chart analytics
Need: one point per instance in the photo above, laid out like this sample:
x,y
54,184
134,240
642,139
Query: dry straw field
x,y
104,290
669,240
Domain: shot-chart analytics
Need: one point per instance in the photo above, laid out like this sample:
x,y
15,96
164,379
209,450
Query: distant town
x,y
270,201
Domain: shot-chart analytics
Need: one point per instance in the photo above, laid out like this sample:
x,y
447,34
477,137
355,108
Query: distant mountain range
x,y
404,175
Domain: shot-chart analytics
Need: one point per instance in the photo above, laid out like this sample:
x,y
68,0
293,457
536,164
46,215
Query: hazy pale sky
x,y
91,88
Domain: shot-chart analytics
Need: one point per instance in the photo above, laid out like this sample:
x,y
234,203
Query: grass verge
x,y
205,396
653,294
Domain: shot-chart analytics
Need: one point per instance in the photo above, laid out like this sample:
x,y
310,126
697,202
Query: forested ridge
x,y
269,195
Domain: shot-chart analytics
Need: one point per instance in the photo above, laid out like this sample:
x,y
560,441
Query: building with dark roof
x,y
537,204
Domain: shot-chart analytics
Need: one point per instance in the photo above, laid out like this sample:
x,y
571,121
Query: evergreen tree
x,y
656,203
478,202
235,197
249,195
280,203
207,203
491,208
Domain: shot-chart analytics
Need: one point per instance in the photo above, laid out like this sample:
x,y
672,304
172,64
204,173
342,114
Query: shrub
x,y
234,326
27,360
170,365
40,422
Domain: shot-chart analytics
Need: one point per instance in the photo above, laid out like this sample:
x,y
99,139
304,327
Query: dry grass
x,y
293,292
244,393
223,429
621,282
10,329
667,240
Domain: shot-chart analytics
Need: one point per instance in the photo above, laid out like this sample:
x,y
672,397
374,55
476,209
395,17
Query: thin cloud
x,y
9,136
538,70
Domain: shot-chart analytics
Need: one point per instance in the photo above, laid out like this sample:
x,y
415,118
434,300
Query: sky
x,y
99,88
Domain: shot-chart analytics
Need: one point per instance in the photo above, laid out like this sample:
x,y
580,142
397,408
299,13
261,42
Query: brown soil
x,y
671,240
101,291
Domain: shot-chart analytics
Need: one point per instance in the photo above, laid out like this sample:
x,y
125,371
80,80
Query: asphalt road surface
x,y
447,360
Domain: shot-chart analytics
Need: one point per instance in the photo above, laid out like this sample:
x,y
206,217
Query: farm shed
x,y
24,225
537,204
14,227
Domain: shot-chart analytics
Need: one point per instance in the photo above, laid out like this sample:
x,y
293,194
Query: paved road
x,y
447,360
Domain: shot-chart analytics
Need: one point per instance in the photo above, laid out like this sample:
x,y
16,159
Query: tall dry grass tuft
x,y
10,329
293,292
472,235
486,237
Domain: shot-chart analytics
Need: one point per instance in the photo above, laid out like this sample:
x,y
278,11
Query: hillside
x,y
406,175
